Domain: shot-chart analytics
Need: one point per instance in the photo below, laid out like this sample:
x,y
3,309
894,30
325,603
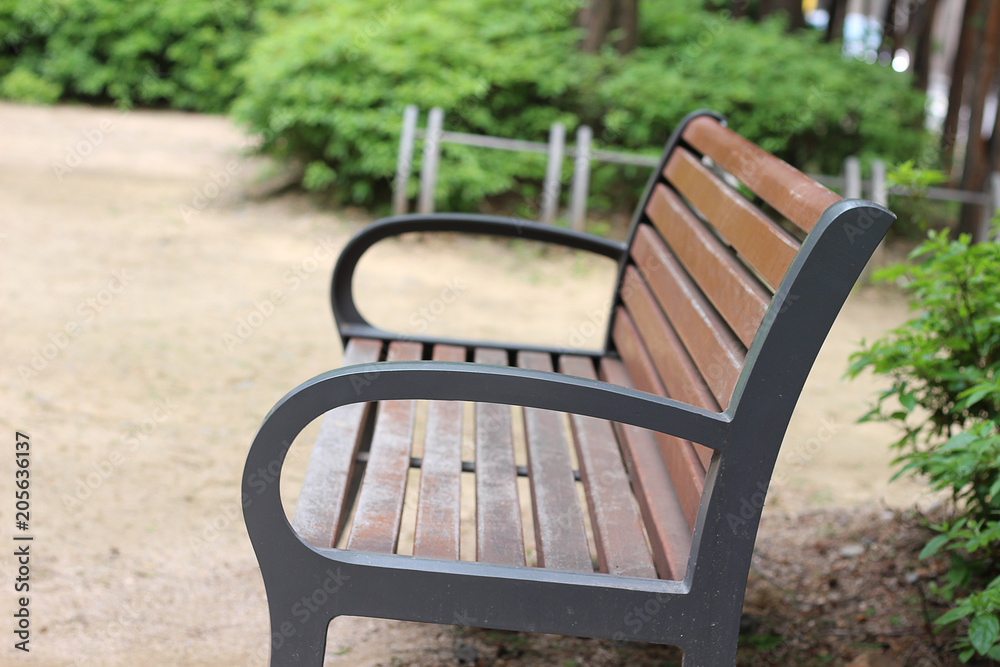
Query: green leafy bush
x,y
944,368
916,213
176,53
327,84
22,85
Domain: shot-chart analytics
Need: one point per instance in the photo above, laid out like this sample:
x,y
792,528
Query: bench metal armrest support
x,y
350,323
438,380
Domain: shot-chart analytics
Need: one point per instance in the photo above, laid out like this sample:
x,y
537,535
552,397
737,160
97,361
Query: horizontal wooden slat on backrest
x,y
499,537
439,504
319,511
560,534
767,247
618,534
707,338
667,527
737,295
380,500
675,367
686,468
789,191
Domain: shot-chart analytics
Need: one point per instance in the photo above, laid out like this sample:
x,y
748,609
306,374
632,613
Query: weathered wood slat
x,y
767,247
439,505
792,193
736,294
668,528
319,513
709,341
380,500
560,534
676,369
499,533
618,533
686,468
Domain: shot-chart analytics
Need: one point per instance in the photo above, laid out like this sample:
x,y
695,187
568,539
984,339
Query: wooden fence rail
x,y
849,183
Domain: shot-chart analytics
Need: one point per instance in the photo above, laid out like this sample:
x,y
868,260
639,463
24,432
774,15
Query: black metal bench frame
x,y
699,613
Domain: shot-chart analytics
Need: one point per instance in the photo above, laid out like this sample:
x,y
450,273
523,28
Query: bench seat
x,y
354,490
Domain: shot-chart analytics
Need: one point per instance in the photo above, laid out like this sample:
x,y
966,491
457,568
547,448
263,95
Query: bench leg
x,y
297,645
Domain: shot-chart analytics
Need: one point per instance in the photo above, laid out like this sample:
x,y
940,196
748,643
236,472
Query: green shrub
x,y
327,84
915,211
176,53
944,368
22,85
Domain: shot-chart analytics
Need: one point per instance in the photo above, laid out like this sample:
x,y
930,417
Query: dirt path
x,y
130,258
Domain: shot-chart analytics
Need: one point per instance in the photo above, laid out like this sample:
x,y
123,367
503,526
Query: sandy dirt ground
x,y
154,314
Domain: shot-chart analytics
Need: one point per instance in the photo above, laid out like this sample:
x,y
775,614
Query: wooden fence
x,y
849,183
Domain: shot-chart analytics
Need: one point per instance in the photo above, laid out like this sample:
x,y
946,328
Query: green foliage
x,y
176,53
912,208
22,85
944,368
328,83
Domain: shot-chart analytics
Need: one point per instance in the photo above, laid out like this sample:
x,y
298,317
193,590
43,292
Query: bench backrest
x,y
720,225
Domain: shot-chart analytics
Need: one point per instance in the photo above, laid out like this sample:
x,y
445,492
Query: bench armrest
x,y
457,381
350,323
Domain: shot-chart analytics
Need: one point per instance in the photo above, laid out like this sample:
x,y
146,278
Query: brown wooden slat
x,y
686,468
668,529
438,509
676,369
734,292
764,244
792,193
560,534
499,536
380,500
708,339
621,544
319,511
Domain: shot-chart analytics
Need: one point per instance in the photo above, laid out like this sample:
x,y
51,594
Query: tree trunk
x,y
956,93
627,19
835,28
890,31
922,53
977,150
600,17
738,8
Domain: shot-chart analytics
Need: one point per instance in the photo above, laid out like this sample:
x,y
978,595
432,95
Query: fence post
x,y
581,178
852,178
404,163
429,168
880,194
553,173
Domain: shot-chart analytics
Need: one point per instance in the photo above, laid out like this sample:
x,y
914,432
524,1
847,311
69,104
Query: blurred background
x,y
178,176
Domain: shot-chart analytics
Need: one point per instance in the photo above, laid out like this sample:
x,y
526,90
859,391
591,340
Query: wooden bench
x,y
723,302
